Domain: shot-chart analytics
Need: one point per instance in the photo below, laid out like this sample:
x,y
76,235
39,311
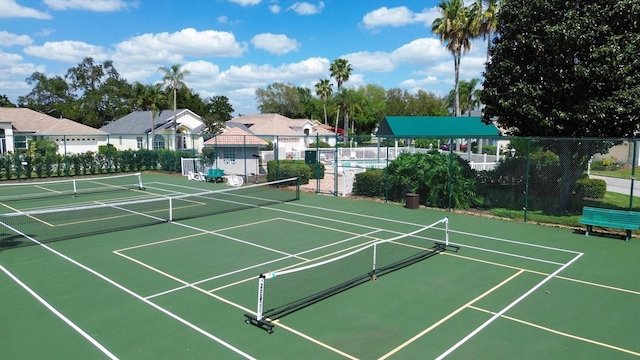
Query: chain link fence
x,y
513,177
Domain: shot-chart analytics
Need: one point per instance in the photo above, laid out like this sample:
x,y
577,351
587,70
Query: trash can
x,y
412,201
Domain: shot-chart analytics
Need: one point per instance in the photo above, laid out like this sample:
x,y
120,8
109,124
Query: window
x,y
139,141
158,142
20,142
229,156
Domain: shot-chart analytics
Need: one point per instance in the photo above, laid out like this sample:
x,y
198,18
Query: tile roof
x,y
266,124
275,124
25,120
235,136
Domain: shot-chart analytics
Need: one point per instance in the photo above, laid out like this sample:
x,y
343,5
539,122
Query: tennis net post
x,y
285,291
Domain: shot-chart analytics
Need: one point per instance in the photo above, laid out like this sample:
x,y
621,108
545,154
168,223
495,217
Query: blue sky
x,y
232,47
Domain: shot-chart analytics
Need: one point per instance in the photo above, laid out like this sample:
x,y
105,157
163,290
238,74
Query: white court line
x,y
553,331
414,224
423,237
254,266
59,314
507,254
505,309
133,294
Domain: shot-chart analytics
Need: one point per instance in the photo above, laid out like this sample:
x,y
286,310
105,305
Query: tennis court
x,y
115,279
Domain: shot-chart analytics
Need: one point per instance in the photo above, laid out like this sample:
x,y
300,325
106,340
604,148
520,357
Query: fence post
x,y
526,180
633,173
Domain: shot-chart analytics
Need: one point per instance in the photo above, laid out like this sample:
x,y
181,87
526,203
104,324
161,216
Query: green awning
x,y
436,127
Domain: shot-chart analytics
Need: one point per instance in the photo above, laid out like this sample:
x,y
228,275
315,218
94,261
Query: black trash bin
x,y
412,201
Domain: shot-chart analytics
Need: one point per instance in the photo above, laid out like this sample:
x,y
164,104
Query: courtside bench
x,y
609,218
214,175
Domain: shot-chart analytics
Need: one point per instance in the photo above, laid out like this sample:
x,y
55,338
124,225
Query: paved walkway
x,y
620,186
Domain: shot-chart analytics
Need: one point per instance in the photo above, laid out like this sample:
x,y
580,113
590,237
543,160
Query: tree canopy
x,y
566,69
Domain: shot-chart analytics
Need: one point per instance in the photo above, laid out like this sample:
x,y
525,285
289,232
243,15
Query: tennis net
x,y
286,291
29,190
47,225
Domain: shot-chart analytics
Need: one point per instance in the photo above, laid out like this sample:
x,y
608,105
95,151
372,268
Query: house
x,y
237,150
18,125
290,136
138,130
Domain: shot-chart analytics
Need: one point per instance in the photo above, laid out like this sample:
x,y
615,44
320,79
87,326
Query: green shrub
x,y
591,188
605,165
106,149
429,176
285,169
370,183
321,145
426,143
316,172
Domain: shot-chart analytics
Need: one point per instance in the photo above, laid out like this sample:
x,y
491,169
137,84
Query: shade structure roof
x,y
436,127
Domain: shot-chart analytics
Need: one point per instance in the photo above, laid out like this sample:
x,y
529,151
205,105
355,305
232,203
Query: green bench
x,y
608,218
214,175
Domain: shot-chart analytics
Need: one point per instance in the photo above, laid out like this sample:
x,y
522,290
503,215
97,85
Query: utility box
x,y
412,201
310,156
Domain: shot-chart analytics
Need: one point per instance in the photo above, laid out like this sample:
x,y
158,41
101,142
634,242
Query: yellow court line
x,y
151,268
452,314
228,302
297,264
47,189
560,332
203,232
247,225
160,242
32,217
634,292
315,341
326,227
599,285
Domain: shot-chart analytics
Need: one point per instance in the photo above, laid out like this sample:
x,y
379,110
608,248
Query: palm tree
x,y
341,70
454,28
152,99
172,78
324,91
485,20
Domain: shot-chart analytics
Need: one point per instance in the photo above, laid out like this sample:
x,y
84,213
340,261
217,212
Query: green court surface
x,y
118,285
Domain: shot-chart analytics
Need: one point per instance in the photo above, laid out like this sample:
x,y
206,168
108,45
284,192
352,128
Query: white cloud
x,y
252,75
187,42
246,2
91,5
10,9
202,74
397,17
423,51
305,8
378,61
67,51
275,43
222,19
9,39
12,68
8,60
274,8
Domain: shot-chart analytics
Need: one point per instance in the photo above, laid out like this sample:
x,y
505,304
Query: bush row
x,y
285,169
107,161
